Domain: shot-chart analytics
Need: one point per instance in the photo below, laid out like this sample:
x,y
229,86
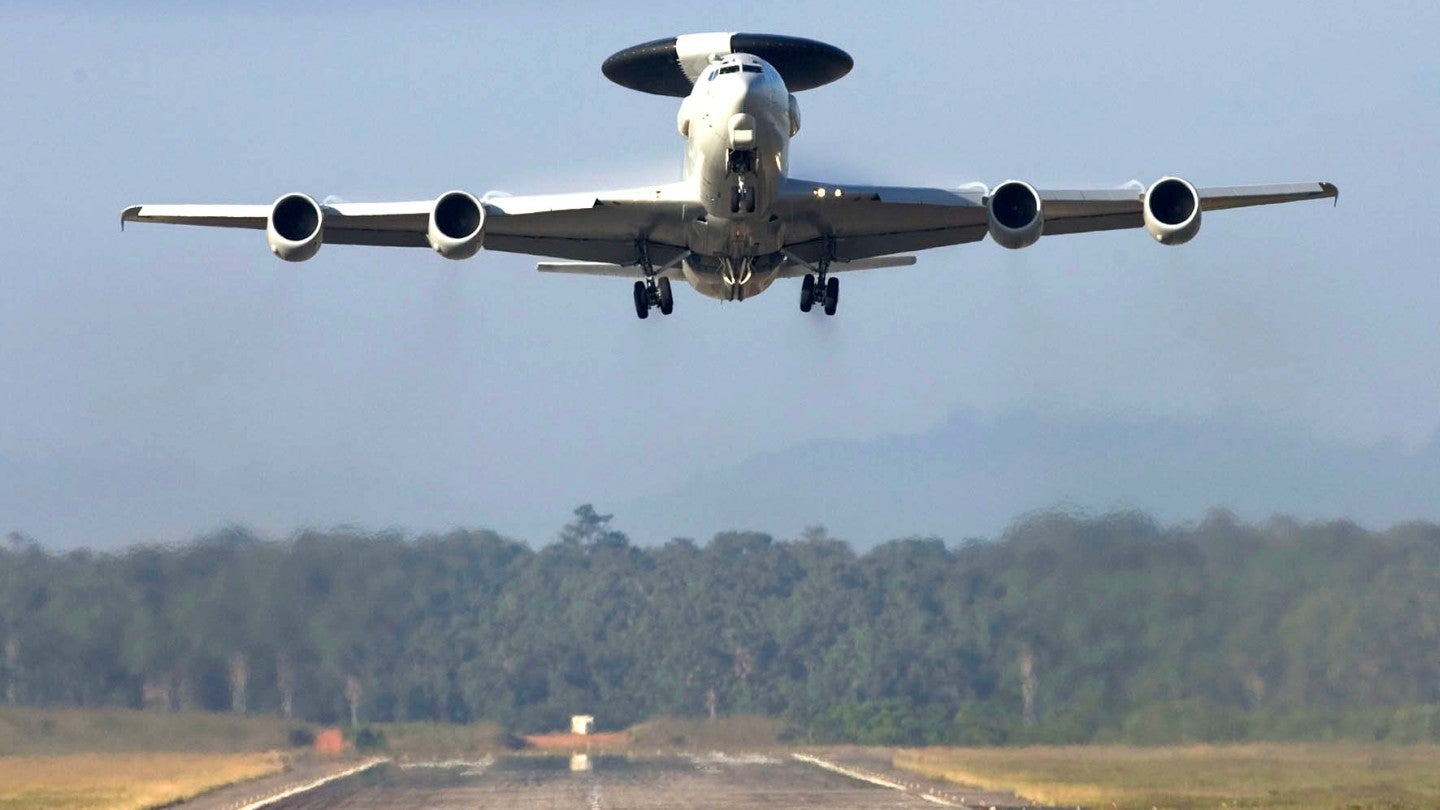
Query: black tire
x,y
667,301
642,300
807,293
832,295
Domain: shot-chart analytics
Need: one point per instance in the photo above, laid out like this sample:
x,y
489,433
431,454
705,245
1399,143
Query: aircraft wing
x,y
600,230
870,221
596,227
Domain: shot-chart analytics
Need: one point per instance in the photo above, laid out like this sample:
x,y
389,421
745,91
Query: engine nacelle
x,y
1172,211
1016,217
294,227
457,225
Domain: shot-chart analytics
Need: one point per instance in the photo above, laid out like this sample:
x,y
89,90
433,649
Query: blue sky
x,y
167,381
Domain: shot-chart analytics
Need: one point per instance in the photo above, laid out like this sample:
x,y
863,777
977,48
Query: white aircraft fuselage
x,y
737,122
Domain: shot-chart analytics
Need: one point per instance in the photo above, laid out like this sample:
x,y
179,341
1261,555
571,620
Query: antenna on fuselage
x,y
669,67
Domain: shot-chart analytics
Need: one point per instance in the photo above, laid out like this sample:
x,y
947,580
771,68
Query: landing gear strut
x,y
820,288
654,290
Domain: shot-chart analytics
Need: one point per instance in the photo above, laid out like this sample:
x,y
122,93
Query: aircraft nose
x,y
738,81
739,87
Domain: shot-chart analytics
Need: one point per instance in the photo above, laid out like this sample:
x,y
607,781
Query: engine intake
x,y
1172,211
457,225
295,227
1017,218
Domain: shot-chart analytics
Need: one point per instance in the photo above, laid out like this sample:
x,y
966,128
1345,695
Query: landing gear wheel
x,y
642,301
667,301
832,295
807,293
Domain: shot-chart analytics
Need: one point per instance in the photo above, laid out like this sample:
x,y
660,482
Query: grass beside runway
x,y
35,732
122,781
1266,776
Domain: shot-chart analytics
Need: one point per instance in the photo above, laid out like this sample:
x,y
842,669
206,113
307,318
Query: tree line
x,y
1067,628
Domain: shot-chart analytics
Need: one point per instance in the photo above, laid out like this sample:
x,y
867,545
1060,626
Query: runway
x,y
714,782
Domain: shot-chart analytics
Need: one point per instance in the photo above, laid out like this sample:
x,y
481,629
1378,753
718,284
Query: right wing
x,y
860,222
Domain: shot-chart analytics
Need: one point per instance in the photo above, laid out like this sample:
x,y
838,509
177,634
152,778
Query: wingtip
x,y
130,214
1332,191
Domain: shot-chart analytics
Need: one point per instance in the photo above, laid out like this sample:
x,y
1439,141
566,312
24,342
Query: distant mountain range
x,y
969,477
973,475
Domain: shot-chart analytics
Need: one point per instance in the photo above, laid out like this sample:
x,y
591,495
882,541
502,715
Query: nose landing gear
x,y
741,164
742,197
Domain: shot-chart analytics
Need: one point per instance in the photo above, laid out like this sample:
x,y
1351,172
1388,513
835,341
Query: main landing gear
x,y
653,291
822,290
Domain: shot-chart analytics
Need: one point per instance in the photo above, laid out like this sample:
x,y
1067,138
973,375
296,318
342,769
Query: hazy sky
x,y
167,381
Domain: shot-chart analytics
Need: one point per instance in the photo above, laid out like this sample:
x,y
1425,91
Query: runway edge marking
x,y
871,778
309,786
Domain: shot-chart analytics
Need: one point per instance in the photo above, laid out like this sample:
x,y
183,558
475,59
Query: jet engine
x,y
1172,211
293,227
1016,218
457,225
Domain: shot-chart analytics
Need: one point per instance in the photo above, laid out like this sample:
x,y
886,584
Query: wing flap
x,y
374,238
796,269
605,269
589,269
1093,223
867,221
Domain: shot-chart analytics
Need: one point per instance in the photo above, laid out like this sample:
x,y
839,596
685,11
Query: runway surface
x,y
715,782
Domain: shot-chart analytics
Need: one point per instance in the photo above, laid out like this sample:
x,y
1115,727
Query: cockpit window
x,y
730,69
754,69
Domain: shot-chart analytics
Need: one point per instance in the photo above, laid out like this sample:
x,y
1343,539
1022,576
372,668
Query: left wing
x,y
859,222
588,227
